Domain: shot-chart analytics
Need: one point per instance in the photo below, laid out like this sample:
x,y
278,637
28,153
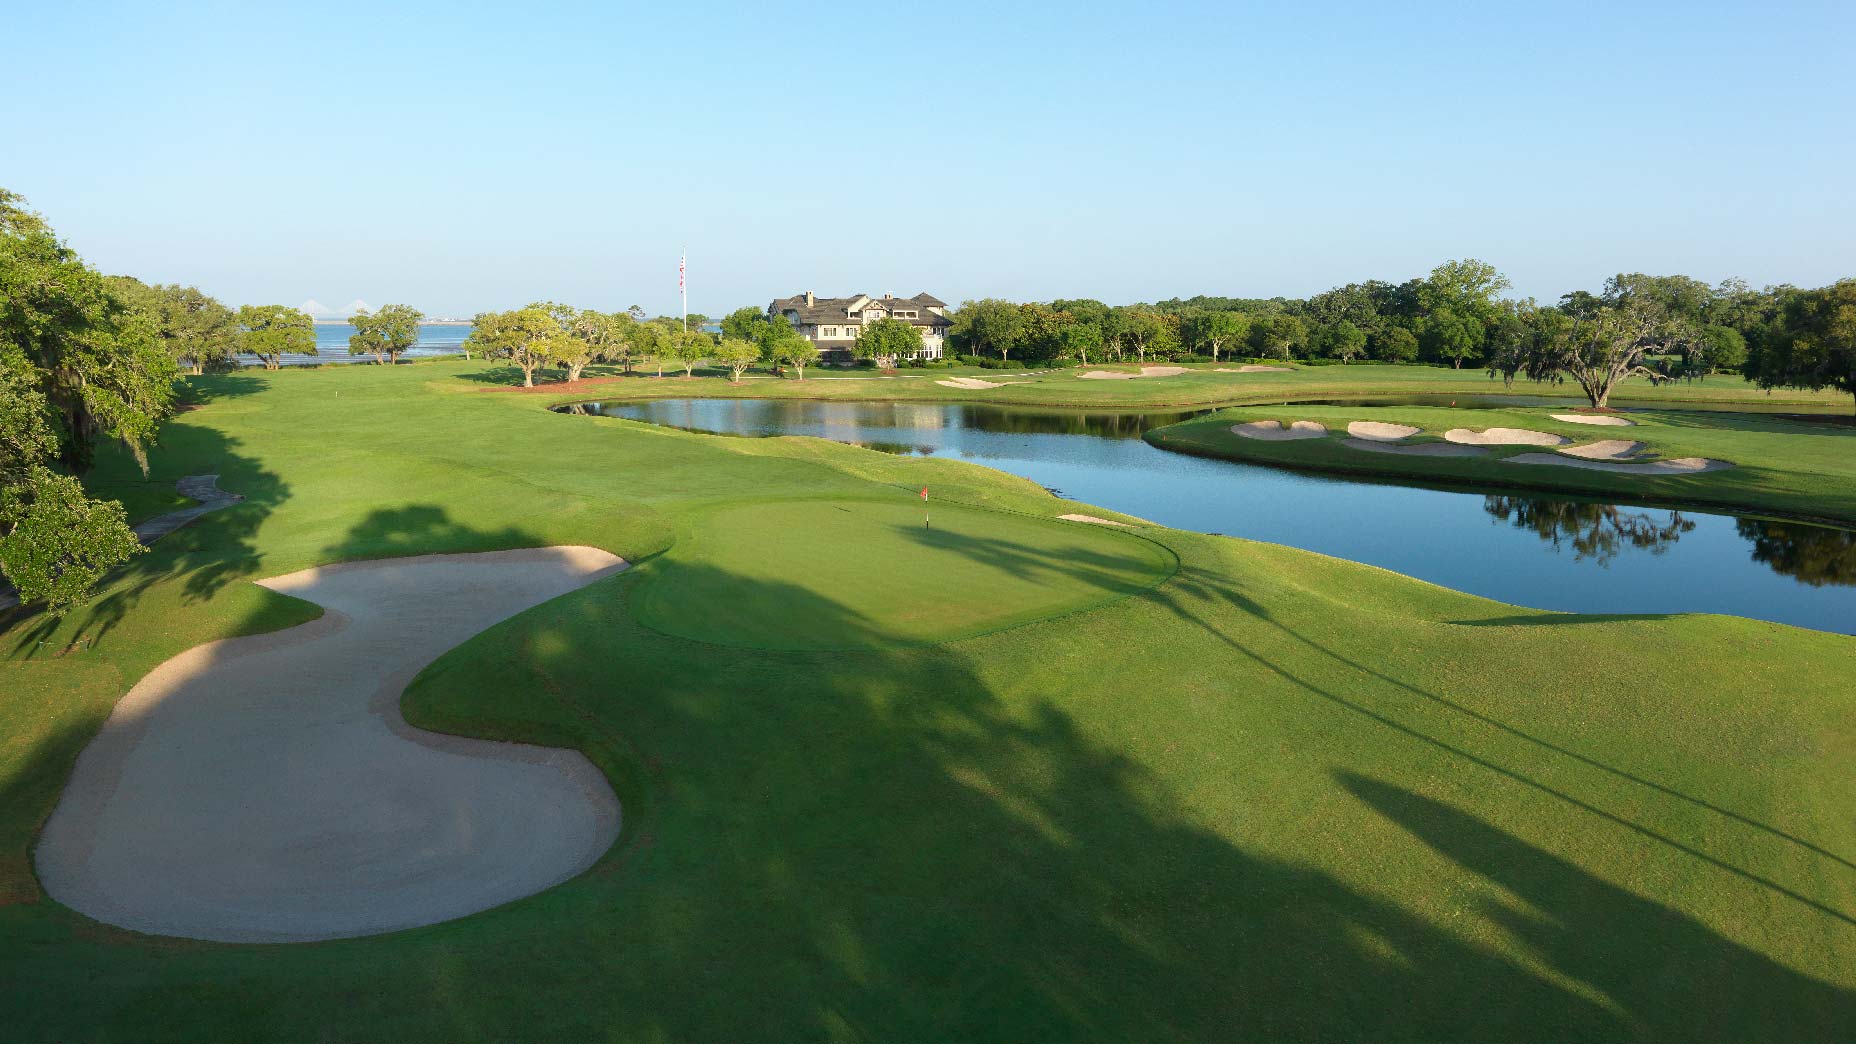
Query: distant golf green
x,y
1265,795
858,574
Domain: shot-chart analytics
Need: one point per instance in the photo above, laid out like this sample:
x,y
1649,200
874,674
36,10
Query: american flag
x,y
680,259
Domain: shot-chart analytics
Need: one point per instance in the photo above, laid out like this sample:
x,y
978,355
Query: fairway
x,y
847,574
1257,794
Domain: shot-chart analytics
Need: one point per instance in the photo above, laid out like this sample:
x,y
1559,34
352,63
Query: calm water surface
x,y
332,345
1533,551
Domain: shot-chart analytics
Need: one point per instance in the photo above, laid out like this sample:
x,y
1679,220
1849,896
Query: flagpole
x,y
683,290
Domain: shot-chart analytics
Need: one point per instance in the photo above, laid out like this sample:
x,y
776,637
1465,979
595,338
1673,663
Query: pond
x,y
1542,552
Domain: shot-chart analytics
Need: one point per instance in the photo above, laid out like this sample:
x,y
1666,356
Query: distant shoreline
x,y
422,322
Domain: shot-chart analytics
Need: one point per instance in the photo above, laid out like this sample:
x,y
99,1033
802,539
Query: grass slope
x,y
1277,795
1783,467
747,575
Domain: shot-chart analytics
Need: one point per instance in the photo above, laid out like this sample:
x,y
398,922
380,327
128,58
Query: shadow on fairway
x,y
1202,588
202,557
884,845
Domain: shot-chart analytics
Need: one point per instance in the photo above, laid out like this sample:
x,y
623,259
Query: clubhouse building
x,y
833,323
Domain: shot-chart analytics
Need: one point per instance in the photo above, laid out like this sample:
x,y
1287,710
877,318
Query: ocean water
x,y
332,345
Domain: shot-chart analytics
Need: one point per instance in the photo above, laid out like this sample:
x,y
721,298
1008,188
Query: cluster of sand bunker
x,y
1123,375
1273,431
1612,455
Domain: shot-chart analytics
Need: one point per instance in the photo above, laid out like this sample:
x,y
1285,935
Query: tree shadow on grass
x,y
203,556
1201,587
891,845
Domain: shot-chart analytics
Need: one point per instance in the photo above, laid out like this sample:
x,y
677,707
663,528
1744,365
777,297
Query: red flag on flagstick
x,y
924,492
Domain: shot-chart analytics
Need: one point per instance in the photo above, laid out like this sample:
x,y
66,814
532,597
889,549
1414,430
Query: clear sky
x,y
461,156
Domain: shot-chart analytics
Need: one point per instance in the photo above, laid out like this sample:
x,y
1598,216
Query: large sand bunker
x,y
266,789
1605,449
1422,449
1123,375
1093,519
1273,431
1380,431
1255,368
1589,418
1504,437
1678,466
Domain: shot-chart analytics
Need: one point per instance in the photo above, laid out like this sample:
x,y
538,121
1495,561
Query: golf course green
x,y
1782,466
1003,777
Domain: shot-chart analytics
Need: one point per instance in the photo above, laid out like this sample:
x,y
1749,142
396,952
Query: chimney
x,y
810,300
887,296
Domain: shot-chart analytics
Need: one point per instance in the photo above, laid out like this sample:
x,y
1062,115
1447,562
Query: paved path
x,y
266,789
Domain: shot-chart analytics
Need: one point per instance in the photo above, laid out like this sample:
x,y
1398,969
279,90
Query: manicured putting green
x,y
847,574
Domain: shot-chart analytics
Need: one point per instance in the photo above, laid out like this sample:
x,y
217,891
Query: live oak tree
x,y
689,348
887,340
1216,330
737,354
385,334
195,329
1814,345
272,331
744,324
785,346
1341,340
520,336
988,325
77,364
1079,339
1607,344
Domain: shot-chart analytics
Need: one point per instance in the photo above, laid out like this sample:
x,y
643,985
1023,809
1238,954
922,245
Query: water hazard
x,y
1548,553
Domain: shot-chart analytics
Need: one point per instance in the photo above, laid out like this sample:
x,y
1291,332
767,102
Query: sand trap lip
x,y
1095,520
1587,418
1273,431
1677,466
1504,437
1422,449
1605,449
1381,431
1254,368
266,789
1119,375
975,383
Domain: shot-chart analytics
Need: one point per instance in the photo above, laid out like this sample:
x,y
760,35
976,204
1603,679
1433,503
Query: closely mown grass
x,y
1277,796
1791,468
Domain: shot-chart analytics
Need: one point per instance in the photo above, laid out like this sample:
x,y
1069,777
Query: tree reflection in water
x,y
1816,555
1596,531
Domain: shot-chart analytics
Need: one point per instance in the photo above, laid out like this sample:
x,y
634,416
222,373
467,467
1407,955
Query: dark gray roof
x,y
833,309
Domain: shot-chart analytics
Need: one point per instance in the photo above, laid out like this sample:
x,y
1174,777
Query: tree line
x,y
1660,327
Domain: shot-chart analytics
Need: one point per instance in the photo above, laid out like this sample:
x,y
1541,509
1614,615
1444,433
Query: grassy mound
x,y
849,574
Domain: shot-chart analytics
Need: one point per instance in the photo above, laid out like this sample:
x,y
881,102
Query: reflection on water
x,y
1595,531
1816,555
1549,554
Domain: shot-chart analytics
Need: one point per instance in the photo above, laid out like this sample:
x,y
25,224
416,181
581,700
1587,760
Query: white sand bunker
x,y
1273,431
1505,437
1422,449
266,789
1122,375
1254,368
1605,449
973,382
1589,418
1094,519
1380,431
1677,466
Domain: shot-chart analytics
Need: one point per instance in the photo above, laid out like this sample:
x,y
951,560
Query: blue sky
x,y
461,157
